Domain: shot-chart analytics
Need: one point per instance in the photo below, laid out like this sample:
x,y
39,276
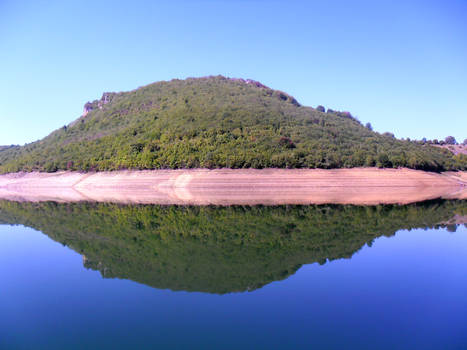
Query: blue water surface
x,y
408,291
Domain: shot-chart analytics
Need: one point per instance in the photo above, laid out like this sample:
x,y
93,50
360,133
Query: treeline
x,y
218,122
448,140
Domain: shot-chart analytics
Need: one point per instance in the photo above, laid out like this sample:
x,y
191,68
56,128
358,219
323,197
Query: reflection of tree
x,y
451,228
217,249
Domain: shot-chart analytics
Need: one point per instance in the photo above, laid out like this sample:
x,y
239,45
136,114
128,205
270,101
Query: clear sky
x,y
401,65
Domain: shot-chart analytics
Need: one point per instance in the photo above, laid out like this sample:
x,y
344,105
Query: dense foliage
x,y
218,249
217,122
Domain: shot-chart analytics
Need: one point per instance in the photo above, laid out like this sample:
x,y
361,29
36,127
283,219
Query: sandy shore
x,y
240,186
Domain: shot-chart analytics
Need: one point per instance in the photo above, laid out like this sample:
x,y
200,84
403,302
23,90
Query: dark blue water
x,y
408,291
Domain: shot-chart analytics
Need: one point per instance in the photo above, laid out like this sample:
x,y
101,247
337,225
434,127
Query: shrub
x,y
286,142
383,161
450,140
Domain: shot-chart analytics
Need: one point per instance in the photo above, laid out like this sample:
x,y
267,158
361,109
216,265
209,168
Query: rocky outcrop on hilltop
x,y
98,104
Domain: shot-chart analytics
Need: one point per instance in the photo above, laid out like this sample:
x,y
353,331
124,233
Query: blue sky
x,y
401,65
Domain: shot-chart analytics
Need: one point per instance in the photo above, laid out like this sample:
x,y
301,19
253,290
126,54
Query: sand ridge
x,y
360,186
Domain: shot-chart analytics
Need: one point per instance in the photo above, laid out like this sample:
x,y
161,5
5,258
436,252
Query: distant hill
x,y
3,148
456,149
217,122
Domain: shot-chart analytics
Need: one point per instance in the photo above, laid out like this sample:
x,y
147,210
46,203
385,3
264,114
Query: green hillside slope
x,y
216,122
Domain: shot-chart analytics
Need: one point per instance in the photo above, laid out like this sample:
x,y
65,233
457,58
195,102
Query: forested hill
x,y
217,122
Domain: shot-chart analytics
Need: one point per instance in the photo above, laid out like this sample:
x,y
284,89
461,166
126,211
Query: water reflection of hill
x,y
218,249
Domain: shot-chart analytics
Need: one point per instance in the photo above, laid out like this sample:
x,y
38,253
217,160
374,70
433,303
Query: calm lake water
x,y
105,276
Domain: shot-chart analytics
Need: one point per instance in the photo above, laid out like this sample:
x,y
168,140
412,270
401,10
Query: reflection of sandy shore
x,y
240,186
